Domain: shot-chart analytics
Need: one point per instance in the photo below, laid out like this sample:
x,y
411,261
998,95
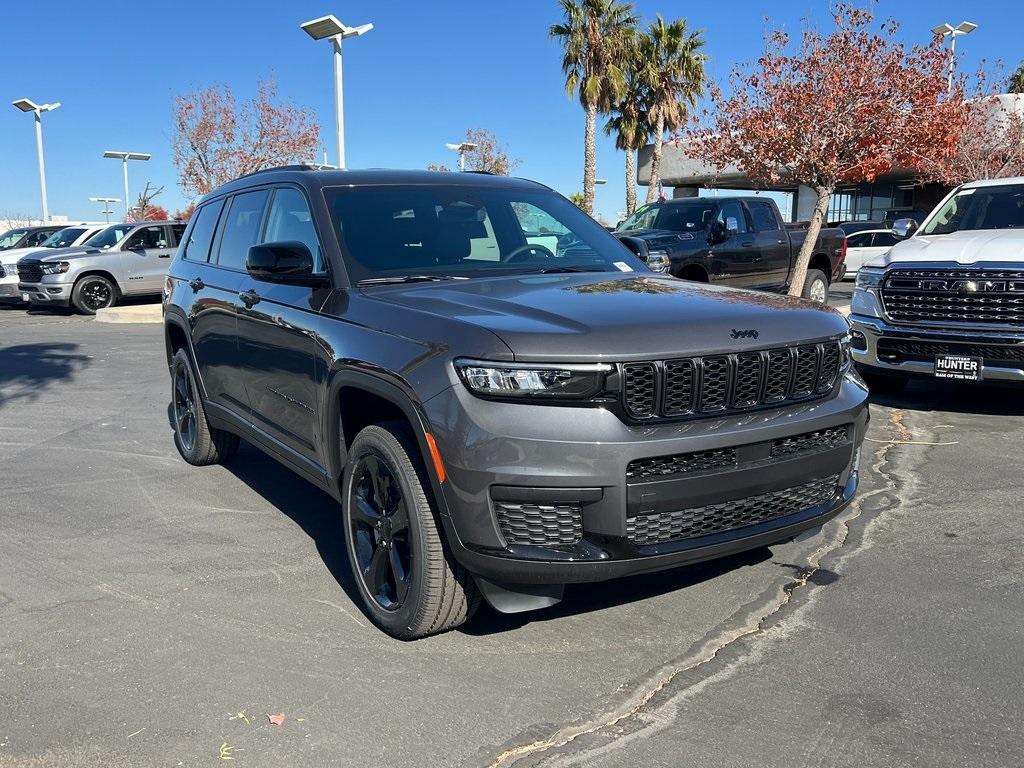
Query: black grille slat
x,y
714,384
639,389
702,386
30,272
539,524
680,377
811,442
919,295
690,523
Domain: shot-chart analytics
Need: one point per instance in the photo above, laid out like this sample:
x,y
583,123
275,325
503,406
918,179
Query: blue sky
x,y
429,70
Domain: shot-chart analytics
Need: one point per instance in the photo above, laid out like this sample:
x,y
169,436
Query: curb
x,y
145,313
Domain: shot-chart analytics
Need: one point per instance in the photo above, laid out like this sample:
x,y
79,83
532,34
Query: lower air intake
x,y
539,524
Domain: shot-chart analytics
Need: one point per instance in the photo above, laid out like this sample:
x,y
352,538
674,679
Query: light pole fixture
x,y
106,204
26,105
329,28
462,148
963,28
124,157
600,181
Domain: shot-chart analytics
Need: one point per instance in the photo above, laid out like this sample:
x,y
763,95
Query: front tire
x,y
198,443
816,286
92,293
409,583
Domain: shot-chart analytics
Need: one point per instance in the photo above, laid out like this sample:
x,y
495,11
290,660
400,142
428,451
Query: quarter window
x,y
290,220
241,228
200,235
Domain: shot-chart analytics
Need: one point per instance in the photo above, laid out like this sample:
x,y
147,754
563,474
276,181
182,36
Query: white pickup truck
x,y
70,236
947,301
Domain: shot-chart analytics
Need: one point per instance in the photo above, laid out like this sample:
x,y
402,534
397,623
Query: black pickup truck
x,y
739,241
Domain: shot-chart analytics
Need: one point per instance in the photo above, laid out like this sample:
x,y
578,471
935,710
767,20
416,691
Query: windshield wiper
x,y
553,270
408,279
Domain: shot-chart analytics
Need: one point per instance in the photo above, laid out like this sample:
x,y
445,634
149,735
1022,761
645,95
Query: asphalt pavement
x,y
154,614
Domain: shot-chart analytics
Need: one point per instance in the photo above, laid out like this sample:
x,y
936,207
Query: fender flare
x,y
389,388
174,316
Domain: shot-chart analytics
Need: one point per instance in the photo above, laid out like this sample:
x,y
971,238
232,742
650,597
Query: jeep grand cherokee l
x,y
501,396
948,301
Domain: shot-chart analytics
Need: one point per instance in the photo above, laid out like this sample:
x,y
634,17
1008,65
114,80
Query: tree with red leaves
x,y
216,141
145,209
836,109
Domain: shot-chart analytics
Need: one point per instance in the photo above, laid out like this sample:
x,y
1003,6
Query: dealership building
x,y
900,189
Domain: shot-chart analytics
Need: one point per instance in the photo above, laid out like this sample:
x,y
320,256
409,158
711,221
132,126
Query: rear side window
x,y
178,230
241,228
763,216
860,240
290,220
200,235
884,240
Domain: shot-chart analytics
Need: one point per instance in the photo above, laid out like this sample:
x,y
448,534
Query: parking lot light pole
x,y
26,105
106,204
329,28
963,28
124,157
462,148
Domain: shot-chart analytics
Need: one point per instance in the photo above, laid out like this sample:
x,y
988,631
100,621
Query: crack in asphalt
x,y
635,705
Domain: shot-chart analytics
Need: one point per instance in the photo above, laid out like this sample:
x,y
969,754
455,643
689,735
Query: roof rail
x,y
486,173
294,167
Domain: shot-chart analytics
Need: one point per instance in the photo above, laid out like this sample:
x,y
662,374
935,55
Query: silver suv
x,y
122,260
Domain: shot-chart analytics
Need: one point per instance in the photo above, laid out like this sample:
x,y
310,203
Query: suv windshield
x,y
691,216
997,207
11,236
62,238
109,236
466,231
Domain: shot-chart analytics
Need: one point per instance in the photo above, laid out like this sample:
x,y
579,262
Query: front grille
x,y
898,350
955,295
661,467
722,383
539,524
662,527
30,271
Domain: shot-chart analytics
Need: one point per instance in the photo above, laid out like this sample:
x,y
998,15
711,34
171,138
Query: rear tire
x,y
410,584
198,443
92,293
883,383
816,286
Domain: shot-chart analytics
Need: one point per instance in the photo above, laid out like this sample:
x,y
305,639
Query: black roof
x,y
317,176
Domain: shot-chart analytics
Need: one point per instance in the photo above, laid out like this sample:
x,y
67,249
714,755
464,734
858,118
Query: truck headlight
x,y
868,278
532,380
658,261
55,267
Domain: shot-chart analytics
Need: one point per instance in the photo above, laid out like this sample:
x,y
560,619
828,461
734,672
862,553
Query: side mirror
x,y
284,262
732,226
904,228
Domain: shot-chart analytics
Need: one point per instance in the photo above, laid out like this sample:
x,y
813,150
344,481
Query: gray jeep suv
x,y
121,260
501,396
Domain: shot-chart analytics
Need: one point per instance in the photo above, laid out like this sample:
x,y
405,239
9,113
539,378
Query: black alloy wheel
x,y
379,527
96,295
185,421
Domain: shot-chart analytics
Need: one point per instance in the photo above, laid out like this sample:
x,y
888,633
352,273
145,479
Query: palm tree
x,y
671,66
632,129
595,36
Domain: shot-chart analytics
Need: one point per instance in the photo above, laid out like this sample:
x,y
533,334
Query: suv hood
x,y
13,255
609,316
966,247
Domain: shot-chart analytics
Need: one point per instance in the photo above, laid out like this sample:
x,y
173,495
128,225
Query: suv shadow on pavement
x,y
924,394
27,370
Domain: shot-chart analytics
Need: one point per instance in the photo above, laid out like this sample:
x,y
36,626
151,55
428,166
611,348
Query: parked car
x,y
947,301
121,260
865,246
496,415
737,241
70,236
27,237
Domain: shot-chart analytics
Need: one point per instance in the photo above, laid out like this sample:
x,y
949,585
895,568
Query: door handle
x,y
250,298
748,244
782,242
163,256
196,284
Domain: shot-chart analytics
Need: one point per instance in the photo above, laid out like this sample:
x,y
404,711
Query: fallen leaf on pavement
x,y
225,752
277,719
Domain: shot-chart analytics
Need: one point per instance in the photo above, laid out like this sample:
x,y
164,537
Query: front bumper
x,y
56,294
542,455
9,289
880,339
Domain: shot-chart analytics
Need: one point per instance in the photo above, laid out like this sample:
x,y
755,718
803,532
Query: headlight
x,y
532,380
845,358
869,278
658,261
55,267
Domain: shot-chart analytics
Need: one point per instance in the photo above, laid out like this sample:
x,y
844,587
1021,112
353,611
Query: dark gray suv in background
x,y
502,398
